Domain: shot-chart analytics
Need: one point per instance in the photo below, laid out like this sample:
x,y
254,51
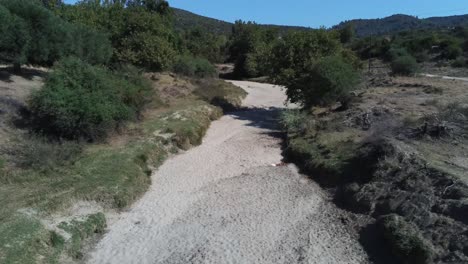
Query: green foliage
x,y
327,81
370,47
204,44
250,48
195,67
25,240
80,230
451,52
314,67
33,34
294,54
347,33
405,65
80,100
396,52
405,240
2,163
140,34
15,37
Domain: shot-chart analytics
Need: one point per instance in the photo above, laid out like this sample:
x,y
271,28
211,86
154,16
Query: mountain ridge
x,y
364,27
401,22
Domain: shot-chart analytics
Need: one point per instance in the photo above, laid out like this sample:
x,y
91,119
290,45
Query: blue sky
x,y
315,13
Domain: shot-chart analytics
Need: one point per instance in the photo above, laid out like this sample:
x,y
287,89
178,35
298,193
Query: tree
x,y
138,34
250,47
32,34
14,40
314,67
328,80
51,4
347,33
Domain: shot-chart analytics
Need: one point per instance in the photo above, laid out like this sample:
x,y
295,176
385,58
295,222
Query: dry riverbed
x,y
224,202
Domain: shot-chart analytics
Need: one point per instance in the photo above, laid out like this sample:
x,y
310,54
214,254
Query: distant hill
x,y
364,27
396,23
185,20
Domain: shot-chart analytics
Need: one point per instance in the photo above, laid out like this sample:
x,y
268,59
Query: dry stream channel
x,y
224,202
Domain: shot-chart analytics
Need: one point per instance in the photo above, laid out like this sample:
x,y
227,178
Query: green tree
x,y
42,38
138,34
14,40
314,67
328,80
250,48
347,33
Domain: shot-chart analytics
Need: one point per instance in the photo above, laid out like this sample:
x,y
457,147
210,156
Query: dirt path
x,y
446,77
223,202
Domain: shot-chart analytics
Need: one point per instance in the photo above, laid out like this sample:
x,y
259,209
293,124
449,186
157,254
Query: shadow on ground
x,y
7,72
263,118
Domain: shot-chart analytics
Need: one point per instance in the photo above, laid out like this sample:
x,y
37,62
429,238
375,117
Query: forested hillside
x,y
185,20
397,23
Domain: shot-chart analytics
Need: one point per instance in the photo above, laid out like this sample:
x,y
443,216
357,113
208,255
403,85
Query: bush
x,y
451,52
405,65
83,101
194,67
329,80
405,240
395,53
459,63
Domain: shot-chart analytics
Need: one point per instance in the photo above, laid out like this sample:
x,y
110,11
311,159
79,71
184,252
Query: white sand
x,y
223,202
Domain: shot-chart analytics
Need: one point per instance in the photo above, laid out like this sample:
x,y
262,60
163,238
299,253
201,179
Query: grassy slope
x,y
115,174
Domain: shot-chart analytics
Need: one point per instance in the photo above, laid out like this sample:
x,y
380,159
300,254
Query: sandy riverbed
x,y
223,202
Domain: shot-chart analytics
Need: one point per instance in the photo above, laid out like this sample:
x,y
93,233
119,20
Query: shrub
x,y
451,52
405,240
405,65
327,81
194,67
83,101
459,63
396,52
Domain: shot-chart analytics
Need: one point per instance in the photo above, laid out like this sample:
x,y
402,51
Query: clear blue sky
x,y
315,13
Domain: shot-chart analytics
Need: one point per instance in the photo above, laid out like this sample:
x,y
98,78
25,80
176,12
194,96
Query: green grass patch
x,y
25,240
79,230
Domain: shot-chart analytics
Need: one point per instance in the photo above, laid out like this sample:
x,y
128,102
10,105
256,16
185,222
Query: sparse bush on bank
x,y
194,67
405,65
404,240
83,101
